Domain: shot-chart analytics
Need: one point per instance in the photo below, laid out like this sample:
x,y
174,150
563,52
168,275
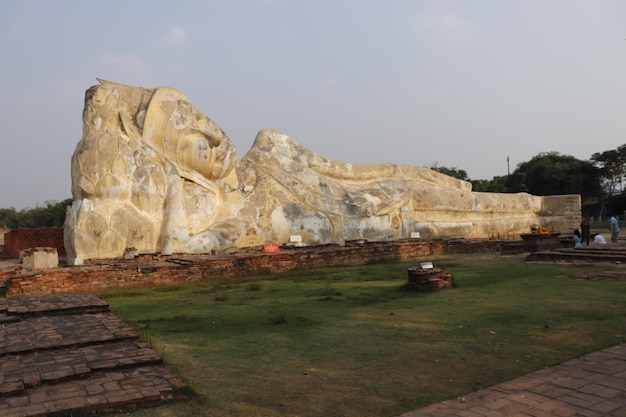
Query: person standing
x,y
585,229
614,228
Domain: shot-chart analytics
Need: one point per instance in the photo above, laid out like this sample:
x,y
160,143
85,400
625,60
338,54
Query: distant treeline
x,y
52,215
599,180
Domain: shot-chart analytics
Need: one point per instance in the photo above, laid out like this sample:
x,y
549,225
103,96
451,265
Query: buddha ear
x,y
129,126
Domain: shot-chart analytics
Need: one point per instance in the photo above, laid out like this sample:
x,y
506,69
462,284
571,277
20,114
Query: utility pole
x,y
508,169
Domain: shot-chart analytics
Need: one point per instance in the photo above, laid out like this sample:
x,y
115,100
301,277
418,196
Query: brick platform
x,y
178,269
593,385
429,279
68,353
612,253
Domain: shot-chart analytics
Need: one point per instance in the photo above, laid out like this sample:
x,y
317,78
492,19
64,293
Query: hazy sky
x,y
460,83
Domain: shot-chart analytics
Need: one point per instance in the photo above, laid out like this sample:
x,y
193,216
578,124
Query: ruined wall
x,y
20,239
154,270
562,212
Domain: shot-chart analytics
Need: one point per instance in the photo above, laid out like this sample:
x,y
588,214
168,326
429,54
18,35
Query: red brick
x,y
11,388
38,396
191,268
68,404
126,398
20,401
20,239
36,410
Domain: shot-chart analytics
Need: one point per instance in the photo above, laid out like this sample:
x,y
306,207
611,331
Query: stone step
x,y
68,355
62,331
51,367
53,305
102,392
5,318
584,254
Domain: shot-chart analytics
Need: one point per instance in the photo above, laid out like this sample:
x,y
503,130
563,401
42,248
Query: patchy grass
x,y
357,342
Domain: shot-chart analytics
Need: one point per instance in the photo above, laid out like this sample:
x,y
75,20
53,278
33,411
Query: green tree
x,y
552,173
495,185
516,182
52,215
612,165
9,218
452,172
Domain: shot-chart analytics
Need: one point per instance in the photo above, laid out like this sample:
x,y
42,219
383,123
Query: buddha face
x,y
177,130
164,119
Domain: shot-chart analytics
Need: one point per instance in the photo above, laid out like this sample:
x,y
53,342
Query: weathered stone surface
x,y
153,173
40,258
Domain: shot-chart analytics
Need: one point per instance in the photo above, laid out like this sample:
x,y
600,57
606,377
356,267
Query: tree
x,y
53,215
552,173
516,182
9,218
612,165
495,185
453,172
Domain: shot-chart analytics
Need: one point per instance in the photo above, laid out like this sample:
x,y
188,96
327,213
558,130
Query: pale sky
x,y
460,83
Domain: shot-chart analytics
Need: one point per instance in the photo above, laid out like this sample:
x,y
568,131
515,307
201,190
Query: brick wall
x,y
20,239
154,270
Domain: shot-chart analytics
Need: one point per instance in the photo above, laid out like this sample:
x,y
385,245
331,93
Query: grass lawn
x,y
356,342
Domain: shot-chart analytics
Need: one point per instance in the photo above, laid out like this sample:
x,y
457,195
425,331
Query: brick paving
x,y
593,385
69,353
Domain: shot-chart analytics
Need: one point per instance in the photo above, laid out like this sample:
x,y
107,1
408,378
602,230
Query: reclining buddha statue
x,y
153,173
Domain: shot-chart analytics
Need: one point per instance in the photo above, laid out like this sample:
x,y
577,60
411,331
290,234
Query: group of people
x,y
584,234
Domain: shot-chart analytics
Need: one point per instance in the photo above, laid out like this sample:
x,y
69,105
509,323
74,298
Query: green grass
x,y
357,342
